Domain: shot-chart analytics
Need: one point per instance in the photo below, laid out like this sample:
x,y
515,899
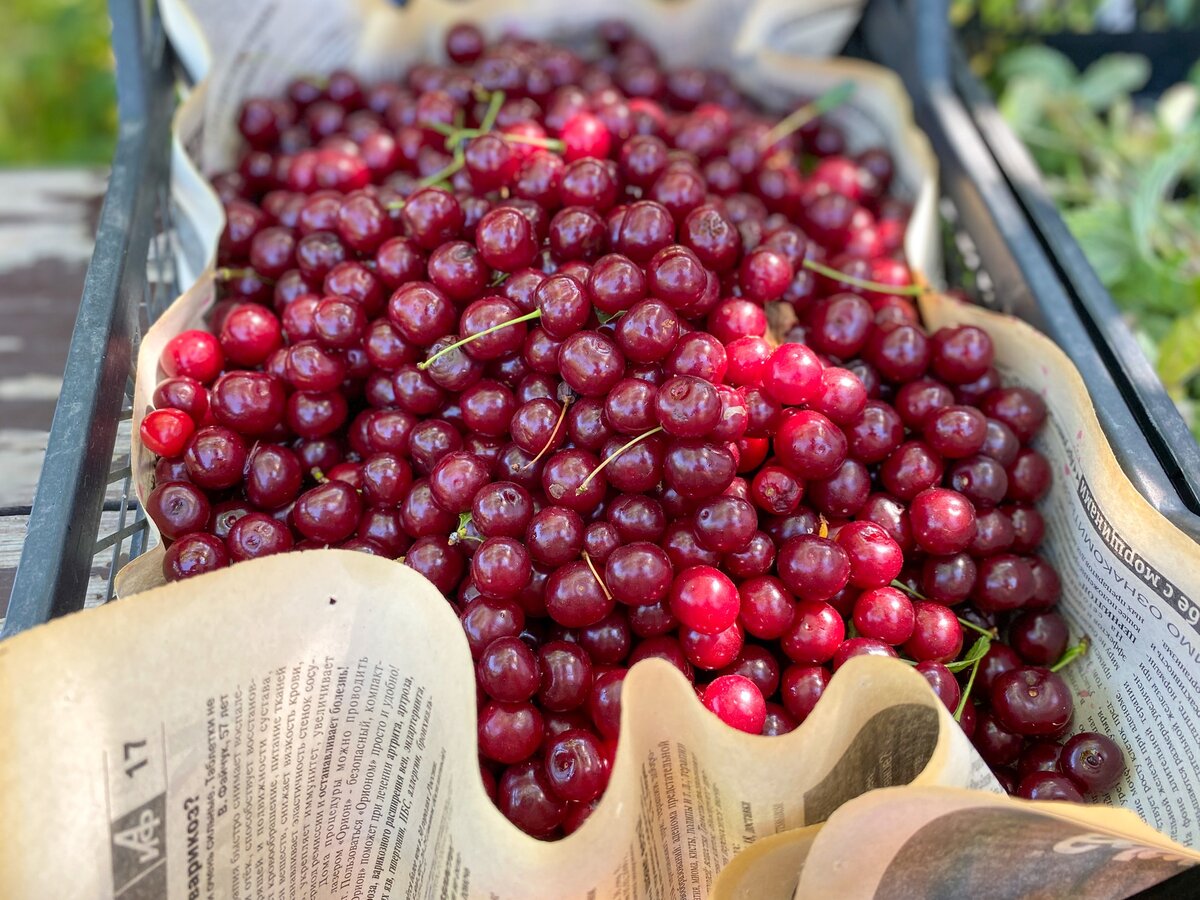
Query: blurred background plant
x,y
1117,139
57,94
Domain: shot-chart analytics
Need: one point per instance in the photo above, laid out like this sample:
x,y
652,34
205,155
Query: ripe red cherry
x,y
508,670
1092,761
704,599
943,521
792,375
1032,701
937,635
886,614
249,334
813,568
585,135
736,701
815,633
195,354
875,559
194,554
328,513
166,431
810,445
178,508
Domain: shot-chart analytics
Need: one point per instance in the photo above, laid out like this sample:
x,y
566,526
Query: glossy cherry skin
x,y
1032,701
736,701
194,554
1092,761
577,765
704,599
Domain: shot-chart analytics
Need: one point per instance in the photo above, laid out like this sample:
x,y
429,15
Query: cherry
x,y
193,354
813,568
327,513
166,431
250,403
273,476
792,375
577,765
215,457
942,680
937,636
484,620
500,568
1048,786
704,599
1039,637
194,554
801,688
943,521
574,597
256,534
638,573
178,508
1031,701
736,701
1092,761
859,646
885,614
875,559
249,334
508,670
810,445
814,634
566,676
184,394
604,702
687,406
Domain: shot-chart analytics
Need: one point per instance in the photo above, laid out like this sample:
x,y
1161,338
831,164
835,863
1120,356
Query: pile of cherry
x,y
507,321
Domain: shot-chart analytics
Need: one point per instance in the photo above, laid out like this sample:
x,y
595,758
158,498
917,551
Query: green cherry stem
x,y
902,290
641,437
600,581
796,120
547,143
901,586
489,118
1071,654
528,317
966,694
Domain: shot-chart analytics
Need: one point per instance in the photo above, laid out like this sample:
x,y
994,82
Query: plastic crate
x,y
84,515
1168,469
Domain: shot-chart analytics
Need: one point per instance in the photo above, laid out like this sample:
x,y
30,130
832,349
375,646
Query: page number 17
x,y
135,756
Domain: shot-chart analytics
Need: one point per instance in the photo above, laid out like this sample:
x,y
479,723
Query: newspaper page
x,y
944,843
303,726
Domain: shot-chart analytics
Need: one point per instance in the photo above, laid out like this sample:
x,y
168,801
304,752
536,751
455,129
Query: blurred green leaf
x,y
1024,101
1040,62
1103,232
1111,76
57,95
1179,352
1155,185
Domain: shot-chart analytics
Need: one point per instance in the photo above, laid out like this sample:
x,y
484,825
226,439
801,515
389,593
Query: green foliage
x,y
1127,178
57,95
1064,15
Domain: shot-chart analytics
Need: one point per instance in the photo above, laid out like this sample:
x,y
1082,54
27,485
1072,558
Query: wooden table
x,y
47,224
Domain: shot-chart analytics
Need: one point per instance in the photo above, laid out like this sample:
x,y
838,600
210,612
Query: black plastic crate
x,y
84,514
1175,472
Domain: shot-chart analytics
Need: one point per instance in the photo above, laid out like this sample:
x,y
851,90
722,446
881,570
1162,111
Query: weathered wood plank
x,y
12,538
